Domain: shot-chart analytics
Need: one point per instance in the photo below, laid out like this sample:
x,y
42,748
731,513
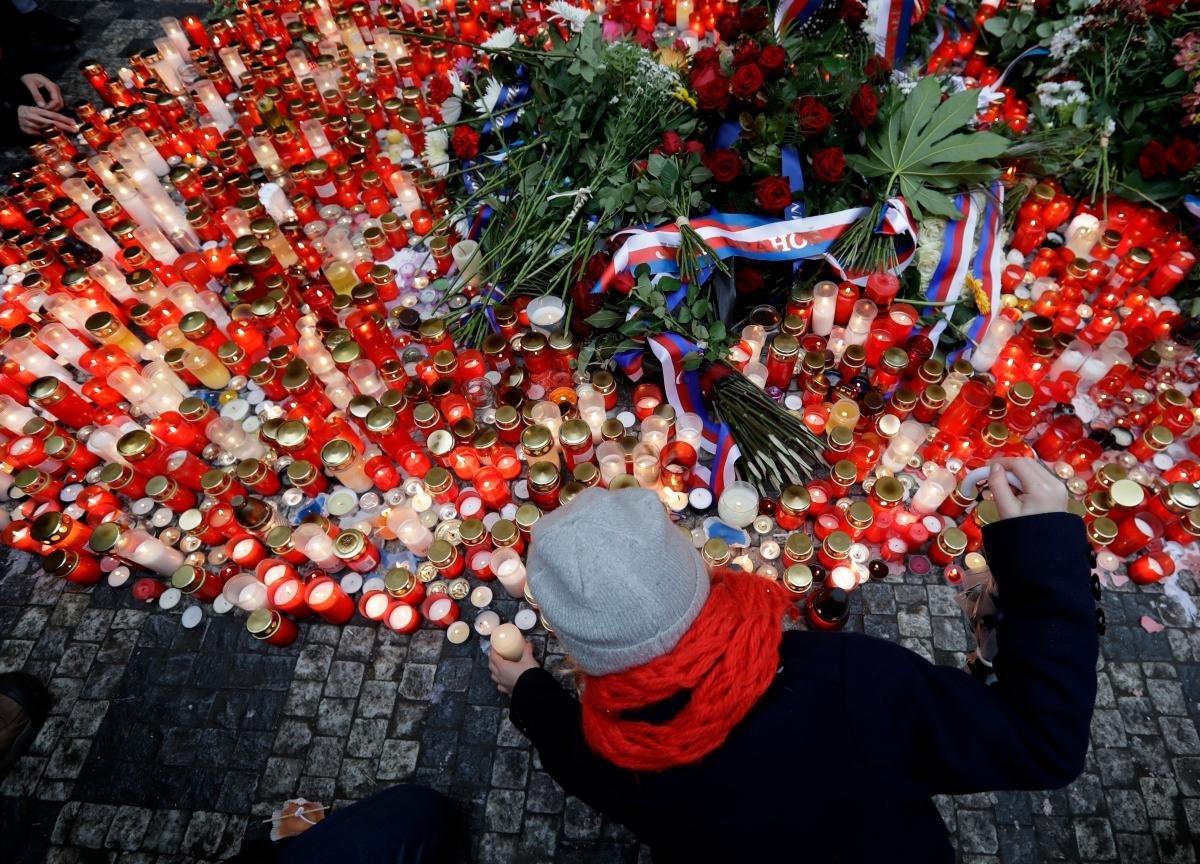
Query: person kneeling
x,y
715,736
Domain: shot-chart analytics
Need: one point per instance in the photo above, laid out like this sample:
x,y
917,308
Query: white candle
x,y
683,14
233,63
546,313
508,642
989,347
510,571
824,306
738,504
934,489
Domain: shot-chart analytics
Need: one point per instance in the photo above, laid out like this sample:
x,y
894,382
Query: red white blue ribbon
x,y
759,238
890,21
988,264
958,239
682,389
790,12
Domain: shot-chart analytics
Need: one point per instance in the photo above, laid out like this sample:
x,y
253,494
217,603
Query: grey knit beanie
x,y
618,582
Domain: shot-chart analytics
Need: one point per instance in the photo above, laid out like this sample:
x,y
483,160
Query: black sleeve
x,y
552,719
938,730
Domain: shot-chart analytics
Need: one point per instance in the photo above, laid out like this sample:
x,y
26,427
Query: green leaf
x,y
605,318
937,203
967,147
918,108
996,26
865,166
716,331
700,331
954,113
655,164
692,361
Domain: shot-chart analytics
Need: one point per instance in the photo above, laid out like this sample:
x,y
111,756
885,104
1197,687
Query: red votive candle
x,y
287,595
329,601
375,605
269,626
1135,532
147,590
403,619
492,487
440,610
1151,568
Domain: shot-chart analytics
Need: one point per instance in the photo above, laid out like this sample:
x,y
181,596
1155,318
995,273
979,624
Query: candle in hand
x,y
508,642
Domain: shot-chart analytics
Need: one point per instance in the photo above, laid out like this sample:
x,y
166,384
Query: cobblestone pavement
x,y
168,745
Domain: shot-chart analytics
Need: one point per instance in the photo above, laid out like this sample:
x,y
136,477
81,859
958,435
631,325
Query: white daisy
x,y
437,152
573,15
486,103
501,39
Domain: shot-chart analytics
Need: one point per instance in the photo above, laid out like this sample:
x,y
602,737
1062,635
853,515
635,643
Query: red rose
x,y
439,89
694,146
712,89
672,143
865,105
812,116
772,61
527,28
1152,161
586,303
829,165
877,68
754,19
725,165
746,53
465,142
1182,155
773,193
623,283
727,26
747,81
853,11
747,279
705,57
594,268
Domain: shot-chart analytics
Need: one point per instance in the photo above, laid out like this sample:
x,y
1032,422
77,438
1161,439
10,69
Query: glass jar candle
x,y
934,489
356,551
269,626
782,355
444,556
738,504
677,461
343,461
327,599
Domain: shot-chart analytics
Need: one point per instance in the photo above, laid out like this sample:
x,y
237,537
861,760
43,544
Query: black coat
x,y
838,760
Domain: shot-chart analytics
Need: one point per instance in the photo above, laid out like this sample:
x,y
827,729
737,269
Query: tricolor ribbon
x,y
790,12
891,21
988,264
988,94
683,392
958,238
760,239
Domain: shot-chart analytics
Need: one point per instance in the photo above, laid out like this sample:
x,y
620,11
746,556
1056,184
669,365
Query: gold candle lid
x,y
1181,497
1102,530
504,532
300,472
1127,493
47,390
798,578
568,491
953,541
715,551
845,471
338,454
795,499
798,545
575,433
135,445
472,531
399,581
536,439
527,515
623,481
860,515
187,578
105,537
888,490
840,438
50,527
349,544
896,359
838,544
263,623
543,476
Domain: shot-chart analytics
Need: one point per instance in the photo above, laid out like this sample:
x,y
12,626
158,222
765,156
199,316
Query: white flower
x,y
437,152
492,91
501,39
451,110
573,15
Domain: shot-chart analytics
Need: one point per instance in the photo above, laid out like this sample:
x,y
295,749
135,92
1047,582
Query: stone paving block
x,y
366,738
356,778
324,757
293,738
1187,775
67,760
580,821
1175,845
356,643
398,760
91,825
1094,839
1085,794
279,778
539,838
303,698
1127,810
510,768
977,832
335,716
376,698
203,835
313,662
504,811
128,828
1136,849
417,680
497,848
408,717
1055,838
165,831
1180,736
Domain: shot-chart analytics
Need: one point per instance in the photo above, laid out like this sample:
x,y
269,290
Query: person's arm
x,y
937,729
552,719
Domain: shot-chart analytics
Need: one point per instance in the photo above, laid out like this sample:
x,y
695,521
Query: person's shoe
x,y
50,27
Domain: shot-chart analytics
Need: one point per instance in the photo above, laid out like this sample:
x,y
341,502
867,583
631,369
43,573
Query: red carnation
x,y
712,89
439,89
754,19
1152,161
746,53
773,193
865,105
671,143
772,61
1182,155
725,165
465,142
747,81
623,283
829,164
727,26
812,116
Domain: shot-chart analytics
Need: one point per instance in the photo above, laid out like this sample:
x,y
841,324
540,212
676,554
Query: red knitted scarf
x,y
727,659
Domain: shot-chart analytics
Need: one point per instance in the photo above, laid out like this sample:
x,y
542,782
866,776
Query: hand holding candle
x,y
505,668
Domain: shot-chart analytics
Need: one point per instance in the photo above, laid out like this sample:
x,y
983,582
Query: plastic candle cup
x,y
508,569
738,504
328,600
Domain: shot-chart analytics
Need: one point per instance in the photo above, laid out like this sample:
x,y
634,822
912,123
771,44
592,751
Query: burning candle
x,y
738,504
509,570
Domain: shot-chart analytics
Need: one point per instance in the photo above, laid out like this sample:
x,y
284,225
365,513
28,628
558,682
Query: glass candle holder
x,y
677,461
738,504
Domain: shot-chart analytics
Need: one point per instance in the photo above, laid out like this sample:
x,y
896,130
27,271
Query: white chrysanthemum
x,y
502,39
451,110
1062,94
573,15
437,152
491,95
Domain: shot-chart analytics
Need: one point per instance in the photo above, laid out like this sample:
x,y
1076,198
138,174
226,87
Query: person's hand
x,y
38,121
296,817
1041,491
45,92
506,672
